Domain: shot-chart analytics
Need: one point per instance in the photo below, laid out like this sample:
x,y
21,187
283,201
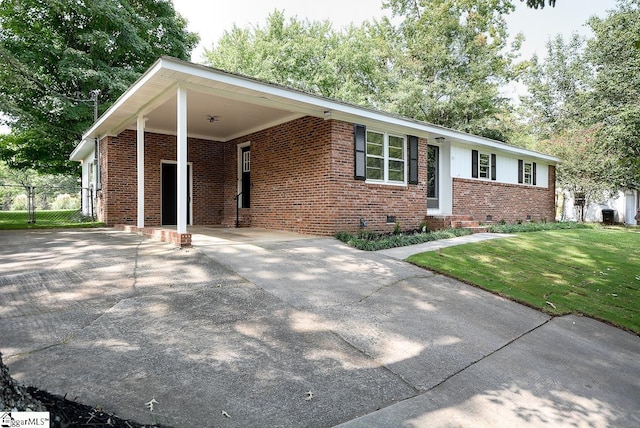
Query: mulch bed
x,y
66,413
63,413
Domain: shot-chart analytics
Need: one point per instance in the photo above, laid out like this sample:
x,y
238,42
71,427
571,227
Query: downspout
x,y
96,160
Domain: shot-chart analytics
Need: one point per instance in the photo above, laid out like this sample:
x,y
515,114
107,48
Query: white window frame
x,y
386,158
481,175
527,179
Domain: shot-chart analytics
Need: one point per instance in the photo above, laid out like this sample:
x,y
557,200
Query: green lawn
x,y
594,272
45,219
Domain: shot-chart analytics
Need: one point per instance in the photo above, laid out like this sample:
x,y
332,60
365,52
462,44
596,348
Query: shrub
x,y
65,201
536,227
371,241
20,202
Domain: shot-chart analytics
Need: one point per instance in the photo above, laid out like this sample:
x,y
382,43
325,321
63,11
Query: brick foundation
x,y
180,240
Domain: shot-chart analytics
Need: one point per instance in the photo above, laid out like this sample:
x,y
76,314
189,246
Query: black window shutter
x,y
534,173
474,163
413,159
520,170
493,166
360,135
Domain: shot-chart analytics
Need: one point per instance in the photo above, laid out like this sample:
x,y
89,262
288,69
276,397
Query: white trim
x,y
168,72
386,159
140,168
181,107
488,177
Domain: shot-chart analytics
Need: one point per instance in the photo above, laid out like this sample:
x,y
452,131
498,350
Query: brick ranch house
x,y
191,145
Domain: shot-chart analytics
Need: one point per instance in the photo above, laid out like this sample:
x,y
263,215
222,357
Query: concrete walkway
x,y
298,332
402,253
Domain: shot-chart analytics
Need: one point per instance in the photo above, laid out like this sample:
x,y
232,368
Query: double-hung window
x,y
484,165
526,172
386,157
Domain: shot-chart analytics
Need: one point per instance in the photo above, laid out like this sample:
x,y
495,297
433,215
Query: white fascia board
x,y
82,150
313,104
123,98
298,101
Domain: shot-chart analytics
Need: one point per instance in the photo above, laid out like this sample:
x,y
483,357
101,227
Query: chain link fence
x,y
45,205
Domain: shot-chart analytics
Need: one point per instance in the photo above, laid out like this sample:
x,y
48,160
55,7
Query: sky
x,y
211,18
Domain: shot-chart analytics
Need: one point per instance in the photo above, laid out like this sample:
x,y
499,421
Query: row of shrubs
x,y
371,241
538,227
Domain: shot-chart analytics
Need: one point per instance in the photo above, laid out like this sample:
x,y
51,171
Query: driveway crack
x,y
377,290
488,355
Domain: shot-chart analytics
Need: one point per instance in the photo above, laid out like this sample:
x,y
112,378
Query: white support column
x,y
182,159
140,169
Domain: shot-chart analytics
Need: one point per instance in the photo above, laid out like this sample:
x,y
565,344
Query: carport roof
x,y
241,105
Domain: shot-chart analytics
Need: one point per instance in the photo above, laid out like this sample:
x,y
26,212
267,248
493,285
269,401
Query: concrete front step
x,y
437,222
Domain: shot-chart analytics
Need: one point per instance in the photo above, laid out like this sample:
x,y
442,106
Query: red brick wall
x,y
289,167
355,199
508,202
302,176
302,180
118,199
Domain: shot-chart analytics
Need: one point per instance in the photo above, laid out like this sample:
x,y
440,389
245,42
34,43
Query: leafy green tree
x,y
310,56
583,105
53,54
444,63
615,100
587,166
535,4
454,59
558,87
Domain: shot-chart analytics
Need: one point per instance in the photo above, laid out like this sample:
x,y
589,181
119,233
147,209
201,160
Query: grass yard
x,y
594,272
44,219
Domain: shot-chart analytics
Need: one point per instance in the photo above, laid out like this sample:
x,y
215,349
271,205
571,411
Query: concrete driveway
x,y
253,330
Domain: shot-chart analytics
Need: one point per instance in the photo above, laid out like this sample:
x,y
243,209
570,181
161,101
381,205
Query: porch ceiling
x,y
233,118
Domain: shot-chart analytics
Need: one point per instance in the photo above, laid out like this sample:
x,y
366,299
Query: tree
x,y
615,100
587,166
454,59
54,54
558,87
535,4
305,55
444,63
583,105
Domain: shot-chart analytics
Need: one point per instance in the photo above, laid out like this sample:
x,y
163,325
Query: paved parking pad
x,y
299,332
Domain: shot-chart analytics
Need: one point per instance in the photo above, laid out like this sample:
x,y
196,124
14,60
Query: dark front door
x,y
433,182
246,177
170,194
